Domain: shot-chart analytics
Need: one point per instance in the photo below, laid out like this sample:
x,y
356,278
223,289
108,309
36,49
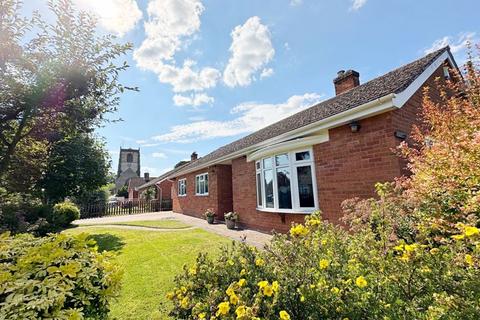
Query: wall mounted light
x,y
400,135
354,126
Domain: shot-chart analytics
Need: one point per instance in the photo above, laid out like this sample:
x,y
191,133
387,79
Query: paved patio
x,y
252,237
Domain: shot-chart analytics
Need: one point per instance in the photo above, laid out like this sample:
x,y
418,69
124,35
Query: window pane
x,y
284,190
268,176
258,165
206,183
281,159
305,187
259,190
267,163
300,156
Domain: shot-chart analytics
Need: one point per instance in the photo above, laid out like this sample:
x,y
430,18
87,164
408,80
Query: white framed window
x,y
201,184
286,182
182,187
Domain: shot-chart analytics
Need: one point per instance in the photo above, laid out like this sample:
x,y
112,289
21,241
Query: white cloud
x,y
296,2
159,155
457,44
192,100
251,116
117,16
171,26
357,4
251,50
267,72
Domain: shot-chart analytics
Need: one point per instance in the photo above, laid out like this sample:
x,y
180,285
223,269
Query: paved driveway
x,y
252,237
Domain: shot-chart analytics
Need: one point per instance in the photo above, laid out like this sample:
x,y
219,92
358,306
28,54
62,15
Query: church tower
x,y
128,166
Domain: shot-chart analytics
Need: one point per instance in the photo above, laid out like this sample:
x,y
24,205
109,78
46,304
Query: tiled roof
x,y
393,82
154,181
135,182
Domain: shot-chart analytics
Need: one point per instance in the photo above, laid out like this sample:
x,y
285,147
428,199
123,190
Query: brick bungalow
x,y
162,184
314,159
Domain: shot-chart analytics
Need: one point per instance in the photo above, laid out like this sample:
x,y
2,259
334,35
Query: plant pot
x,y
230,224
210,219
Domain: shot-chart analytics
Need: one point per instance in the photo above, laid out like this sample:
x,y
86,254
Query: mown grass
x,y
158,224
150,261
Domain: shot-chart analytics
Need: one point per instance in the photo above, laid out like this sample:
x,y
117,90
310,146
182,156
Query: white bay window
x,y
286,182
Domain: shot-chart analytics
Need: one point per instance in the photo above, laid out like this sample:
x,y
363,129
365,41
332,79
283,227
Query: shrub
x,y
55,277
320,271
65,213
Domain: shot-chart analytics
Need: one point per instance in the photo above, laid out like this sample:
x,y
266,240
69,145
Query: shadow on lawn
x,y
107,242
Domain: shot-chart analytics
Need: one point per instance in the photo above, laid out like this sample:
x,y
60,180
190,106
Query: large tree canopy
x,y
58,80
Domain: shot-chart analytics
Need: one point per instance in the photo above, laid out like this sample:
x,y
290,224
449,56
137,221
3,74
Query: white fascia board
x,y
402,97
288,146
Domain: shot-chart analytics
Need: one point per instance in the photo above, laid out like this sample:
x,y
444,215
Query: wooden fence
x,y
102,209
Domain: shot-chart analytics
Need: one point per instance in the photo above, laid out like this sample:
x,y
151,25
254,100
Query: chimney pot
x,y
194,156
146,176
346,80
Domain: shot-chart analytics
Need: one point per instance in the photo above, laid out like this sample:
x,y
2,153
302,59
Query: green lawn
x,y
150,261
158,224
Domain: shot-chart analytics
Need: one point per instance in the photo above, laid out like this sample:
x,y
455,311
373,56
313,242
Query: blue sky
x,y
211,71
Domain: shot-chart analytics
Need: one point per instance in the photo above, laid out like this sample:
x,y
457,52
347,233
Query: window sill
x,y
181,195
202,195
290,211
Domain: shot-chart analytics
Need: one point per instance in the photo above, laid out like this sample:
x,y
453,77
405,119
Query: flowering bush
x,y
232,216
320,271
210,213
55,277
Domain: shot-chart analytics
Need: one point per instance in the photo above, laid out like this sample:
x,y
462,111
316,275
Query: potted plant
x,y
210,215
231,219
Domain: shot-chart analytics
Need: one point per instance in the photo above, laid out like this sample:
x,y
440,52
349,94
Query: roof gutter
x,y
365,110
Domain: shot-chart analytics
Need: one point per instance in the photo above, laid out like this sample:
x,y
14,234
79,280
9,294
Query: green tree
x,y
76,166
57,79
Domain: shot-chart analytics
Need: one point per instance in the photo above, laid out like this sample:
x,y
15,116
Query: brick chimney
x,y
146,176
346,80
194,156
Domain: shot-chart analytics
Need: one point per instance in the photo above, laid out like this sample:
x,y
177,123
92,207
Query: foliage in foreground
x,y
320,271
55,277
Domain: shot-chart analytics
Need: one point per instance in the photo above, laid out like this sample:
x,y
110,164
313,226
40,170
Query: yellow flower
x,y
242,272
335,290
268,291
230,262
469,259
434,250
170,295
458,236
234,299
361,282
243,260
242,282
471,231
259,262
324,263
192,271
298,230
230,291
275,286
284,315
202,315
262,284
410,247
241,311
223,308
302,298
184,303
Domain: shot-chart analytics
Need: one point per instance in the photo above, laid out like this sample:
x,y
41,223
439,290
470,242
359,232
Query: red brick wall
x,y
164,190
219,196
